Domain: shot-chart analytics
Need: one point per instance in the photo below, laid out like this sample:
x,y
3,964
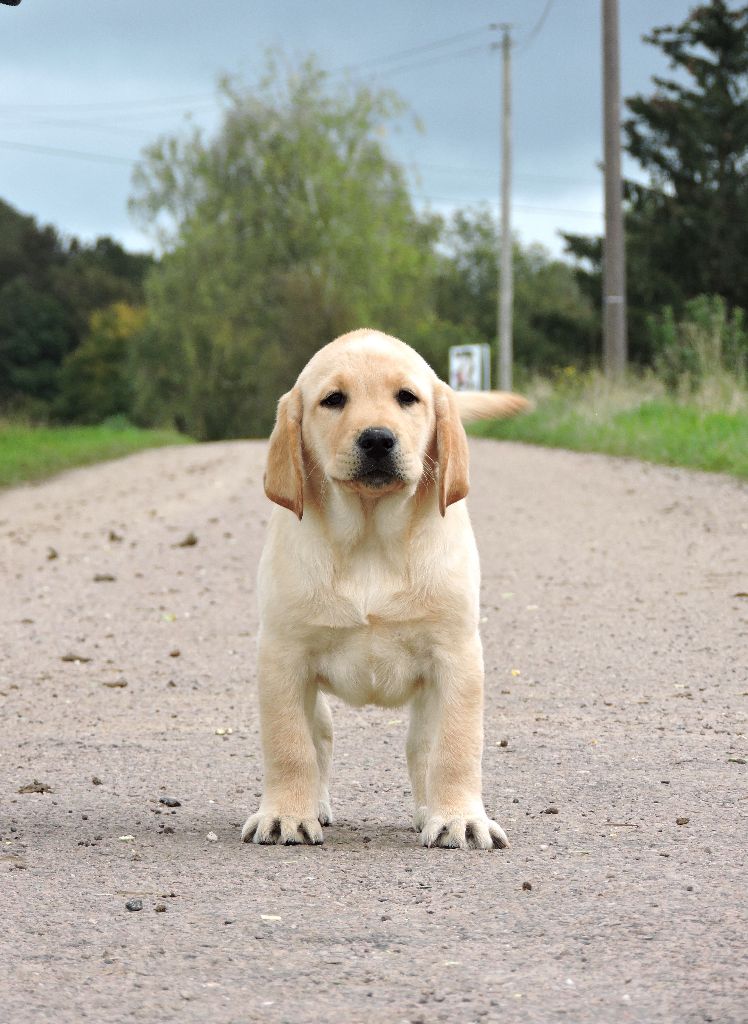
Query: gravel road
x,y
615,624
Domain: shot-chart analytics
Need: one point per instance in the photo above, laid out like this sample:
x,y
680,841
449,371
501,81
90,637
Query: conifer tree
x,y
687,226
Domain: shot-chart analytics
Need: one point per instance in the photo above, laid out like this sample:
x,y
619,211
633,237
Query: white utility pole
x,y
614,254
506,284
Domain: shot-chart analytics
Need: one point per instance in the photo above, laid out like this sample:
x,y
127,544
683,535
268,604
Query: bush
x,y
707,342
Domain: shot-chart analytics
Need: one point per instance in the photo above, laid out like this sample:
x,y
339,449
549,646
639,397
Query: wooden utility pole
x,y
614,254
506,284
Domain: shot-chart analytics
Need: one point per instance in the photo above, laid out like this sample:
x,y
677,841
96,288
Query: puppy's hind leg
x,y
322,735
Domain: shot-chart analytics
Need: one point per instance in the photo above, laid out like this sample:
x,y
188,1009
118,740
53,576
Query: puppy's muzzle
x,y
377,456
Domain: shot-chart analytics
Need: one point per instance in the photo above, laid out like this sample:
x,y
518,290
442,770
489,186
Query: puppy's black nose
x,y
376,442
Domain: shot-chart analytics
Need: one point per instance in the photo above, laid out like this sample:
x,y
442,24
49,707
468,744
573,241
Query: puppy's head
x,y
369,415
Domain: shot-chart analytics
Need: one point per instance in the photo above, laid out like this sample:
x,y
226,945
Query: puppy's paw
x,y
469,832
281,829
420,818
324,814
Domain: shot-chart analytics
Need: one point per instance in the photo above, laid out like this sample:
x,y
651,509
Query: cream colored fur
x,y
371,593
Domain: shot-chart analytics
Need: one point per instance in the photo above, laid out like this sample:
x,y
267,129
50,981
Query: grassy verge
x,y
635,419
30,453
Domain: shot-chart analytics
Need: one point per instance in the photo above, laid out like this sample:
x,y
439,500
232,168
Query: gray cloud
x,y
60,60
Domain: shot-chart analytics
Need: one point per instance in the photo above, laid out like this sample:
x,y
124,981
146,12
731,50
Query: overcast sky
x,y
99,79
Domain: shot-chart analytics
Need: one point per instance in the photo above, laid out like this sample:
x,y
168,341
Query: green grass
x,y
30,453
655,429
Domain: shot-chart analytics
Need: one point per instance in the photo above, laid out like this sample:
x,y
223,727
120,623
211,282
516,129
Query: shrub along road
x,y
614,626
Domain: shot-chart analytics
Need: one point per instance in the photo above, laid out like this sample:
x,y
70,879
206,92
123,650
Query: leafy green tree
x,y
94,276
35,335
95,378
554,322
27,250
48,290
289,227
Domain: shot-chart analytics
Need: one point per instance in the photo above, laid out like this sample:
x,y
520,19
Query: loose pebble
x,y
35,787
134,905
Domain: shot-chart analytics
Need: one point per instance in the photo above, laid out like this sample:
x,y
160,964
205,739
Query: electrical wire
x,y
416,166
538,28
525,207
54,151
108,104
434,45
141,105
482,48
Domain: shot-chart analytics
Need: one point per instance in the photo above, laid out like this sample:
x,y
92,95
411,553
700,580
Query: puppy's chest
x,y
375,664
374,640
368,592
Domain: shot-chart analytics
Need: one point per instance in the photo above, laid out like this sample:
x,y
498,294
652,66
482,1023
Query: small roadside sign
x,y
470,367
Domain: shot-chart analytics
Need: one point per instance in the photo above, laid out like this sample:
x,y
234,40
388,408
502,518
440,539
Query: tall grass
x,y
704,426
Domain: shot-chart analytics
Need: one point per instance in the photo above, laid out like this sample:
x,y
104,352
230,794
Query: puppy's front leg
x,y
455,816
289,808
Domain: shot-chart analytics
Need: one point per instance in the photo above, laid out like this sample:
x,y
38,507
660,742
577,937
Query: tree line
x,y
293,224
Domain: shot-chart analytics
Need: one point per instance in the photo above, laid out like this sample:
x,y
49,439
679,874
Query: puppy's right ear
x,y
284,473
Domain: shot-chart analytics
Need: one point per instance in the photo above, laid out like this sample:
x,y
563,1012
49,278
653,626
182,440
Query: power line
x,y
527,207
76,153
482,48
95,126
110,159
145,105
453,168
434,45
538,28
108,104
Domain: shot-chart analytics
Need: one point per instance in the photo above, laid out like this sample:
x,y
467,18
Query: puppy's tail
x,y
489,405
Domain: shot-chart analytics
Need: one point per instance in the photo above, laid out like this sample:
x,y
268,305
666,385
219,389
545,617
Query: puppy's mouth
x,y
377,478
373,476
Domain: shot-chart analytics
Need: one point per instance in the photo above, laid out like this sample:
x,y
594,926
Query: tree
x,y
687,227
555,323
35,335
49,287
691,136
95,378
292,225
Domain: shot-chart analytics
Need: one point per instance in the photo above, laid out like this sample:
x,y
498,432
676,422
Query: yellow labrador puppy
x,y
368,586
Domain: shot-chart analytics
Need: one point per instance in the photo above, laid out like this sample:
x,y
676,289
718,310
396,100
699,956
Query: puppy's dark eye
x,y
406,397
334,401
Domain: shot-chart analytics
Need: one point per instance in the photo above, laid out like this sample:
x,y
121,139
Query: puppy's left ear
x,y
451,449
284,473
